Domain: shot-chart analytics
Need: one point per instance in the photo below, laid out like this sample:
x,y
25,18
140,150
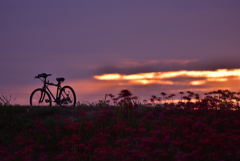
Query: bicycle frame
x,y
45,87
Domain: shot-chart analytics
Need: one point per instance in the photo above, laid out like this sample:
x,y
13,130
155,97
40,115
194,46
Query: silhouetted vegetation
x,y
216,100
6,100
169,127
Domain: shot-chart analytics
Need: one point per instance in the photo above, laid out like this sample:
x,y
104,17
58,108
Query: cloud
x,y
130,66
146,66
147,84
173,75
196,80
130,63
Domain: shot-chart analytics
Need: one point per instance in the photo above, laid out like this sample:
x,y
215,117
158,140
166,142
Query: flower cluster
x,y
139,134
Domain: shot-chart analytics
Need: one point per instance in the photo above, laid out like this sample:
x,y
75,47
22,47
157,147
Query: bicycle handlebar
x,y
43,75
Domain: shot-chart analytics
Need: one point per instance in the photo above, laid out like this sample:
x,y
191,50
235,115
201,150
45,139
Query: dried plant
x,y
6,100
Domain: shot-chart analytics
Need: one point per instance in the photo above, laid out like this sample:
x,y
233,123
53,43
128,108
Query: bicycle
x,y
65,96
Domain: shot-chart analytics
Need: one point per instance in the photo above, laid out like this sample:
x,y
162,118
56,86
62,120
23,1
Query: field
x,y
126,131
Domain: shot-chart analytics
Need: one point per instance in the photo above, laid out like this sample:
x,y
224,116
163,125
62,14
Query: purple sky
x,y
78,39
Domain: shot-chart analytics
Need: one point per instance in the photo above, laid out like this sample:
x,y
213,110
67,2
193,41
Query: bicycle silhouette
x,y
65,96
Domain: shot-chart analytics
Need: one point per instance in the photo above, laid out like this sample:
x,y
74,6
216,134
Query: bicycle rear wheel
x,y
40,97
67,96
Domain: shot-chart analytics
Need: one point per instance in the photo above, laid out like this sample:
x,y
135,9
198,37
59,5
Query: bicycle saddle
x,y
61,79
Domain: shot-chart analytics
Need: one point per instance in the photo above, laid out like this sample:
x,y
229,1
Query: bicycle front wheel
x,y
67,96
40,97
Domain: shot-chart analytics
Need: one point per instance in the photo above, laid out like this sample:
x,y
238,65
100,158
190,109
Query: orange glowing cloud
x,y
220,75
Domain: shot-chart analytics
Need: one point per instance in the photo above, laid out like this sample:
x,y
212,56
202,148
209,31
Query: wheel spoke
x,y
67,96
40,98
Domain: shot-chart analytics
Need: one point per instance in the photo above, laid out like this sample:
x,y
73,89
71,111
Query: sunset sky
x,y
103,46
